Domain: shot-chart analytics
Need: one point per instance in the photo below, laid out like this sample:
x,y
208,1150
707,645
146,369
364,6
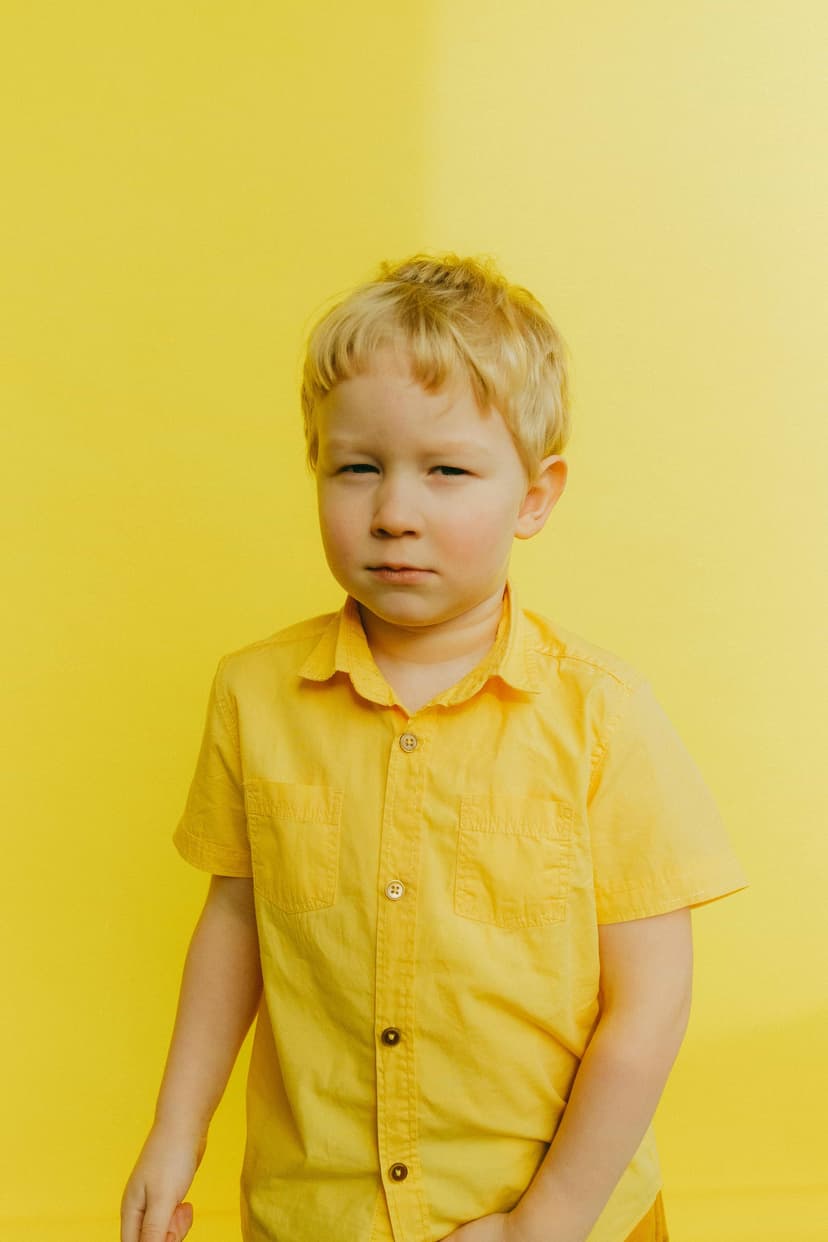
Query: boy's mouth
x,y
399,573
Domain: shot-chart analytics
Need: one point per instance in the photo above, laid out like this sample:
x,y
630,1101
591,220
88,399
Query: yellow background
x,y
185,187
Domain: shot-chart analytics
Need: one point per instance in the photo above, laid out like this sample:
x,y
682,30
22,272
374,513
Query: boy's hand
x,y
499,1227
151,1208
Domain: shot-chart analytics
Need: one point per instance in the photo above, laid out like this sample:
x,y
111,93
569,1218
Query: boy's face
x,y
410,478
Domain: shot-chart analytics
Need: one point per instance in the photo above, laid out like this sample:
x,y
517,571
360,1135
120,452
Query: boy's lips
x,y
401,575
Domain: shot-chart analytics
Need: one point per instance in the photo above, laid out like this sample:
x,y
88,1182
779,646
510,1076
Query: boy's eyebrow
x,y
337,443
458,446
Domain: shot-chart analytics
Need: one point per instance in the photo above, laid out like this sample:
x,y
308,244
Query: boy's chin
x,y
403,611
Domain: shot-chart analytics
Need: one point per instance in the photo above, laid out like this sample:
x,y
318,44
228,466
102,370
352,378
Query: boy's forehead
x,y
440,425
390,396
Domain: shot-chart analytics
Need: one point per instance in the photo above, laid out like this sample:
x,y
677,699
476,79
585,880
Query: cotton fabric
x,y
428,892
653,1226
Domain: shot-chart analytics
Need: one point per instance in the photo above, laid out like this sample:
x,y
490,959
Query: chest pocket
x,y
294,843
513,860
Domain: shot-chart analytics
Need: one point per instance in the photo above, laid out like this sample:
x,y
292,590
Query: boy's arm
x,y
646,980
220,993
646,984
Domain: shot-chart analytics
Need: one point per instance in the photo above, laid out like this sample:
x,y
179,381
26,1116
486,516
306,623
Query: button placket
x,y
395,976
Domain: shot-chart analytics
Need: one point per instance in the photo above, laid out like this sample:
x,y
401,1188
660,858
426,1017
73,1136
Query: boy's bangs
x,y
431,350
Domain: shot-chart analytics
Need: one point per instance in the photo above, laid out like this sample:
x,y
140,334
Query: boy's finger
x,y
131,1224
157,1224
182,1220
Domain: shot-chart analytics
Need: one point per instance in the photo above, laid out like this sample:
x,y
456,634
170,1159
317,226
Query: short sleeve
x,y
657,838
212,832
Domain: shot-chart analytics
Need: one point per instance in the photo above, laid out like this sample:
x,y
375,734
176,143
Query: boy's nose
x,y
395,511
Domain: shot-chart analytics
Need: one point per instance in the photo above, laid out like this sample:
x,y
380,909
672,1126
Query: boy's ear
x,y
541,497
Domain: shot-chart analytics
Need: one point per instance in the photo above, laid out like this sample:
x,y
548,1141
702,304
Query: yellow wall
x,y
182,194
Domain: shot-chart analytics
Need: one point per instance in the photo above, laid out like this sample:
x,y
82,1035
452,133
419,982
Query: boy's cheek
x,y
335,549
338,525
344,550
476,538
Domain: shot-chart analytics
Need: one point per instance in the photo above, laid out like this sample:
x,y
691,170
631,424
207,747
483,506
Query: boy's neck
x,y
459,640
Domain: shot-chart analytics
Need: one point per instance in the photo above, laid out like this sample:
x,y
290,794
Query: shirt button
x,y
408,742
398,1172
390,1036
394,890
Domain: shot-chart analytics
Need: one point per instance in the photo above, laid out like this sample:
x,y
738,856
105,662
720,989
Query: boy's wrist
x,y
190,1130
535,1221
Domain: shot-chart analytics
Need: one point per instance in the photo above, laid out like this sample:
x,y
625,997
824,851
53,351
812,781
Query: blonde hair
x,y
450,313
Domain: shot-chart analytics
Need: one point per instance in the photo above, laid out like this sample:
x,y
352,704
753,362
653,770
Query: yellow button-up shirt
x,y
428,891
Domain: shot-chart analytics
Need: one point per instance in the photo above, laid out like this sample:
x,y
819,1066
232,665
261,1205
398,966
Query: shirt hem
x,y
207,856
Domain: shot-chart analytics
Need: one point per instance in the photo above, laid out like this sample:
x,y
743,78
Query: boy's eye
x,y
362,466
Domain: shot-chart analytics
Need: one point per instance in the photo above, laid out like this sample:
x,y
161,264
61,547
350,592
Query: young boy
x,y
453,846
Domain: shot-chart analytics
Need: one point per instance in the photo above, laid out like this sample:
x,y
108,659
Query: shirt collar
x,y
344,648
